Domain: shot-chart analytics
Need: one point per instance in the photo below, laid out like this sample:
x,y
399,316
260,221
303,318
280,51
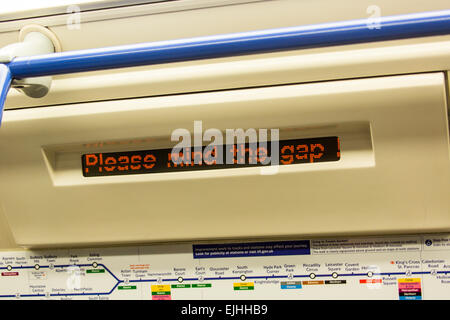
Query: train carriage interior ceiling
x,y
225,150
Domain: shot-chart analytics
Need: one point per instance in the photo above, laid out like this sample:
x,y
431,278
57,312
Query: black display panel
x,y
227,156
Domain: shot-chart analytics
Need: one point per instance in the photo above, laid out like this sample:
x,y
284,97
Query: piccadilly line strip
x,y
186,279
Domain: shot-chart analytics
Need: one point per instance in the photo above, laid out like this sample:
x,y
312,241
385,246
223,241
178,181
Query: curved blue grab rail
x,y
347,32
312,36
5,83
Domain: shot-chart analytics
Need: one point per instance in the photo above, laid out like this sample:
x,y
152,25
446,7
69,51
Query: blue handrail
x,y
5,83
329,34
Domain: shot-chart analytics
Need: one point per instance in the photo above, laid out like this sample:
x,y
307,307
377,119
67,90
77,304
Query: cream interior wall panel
x,y
6,238
393,175
134,28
